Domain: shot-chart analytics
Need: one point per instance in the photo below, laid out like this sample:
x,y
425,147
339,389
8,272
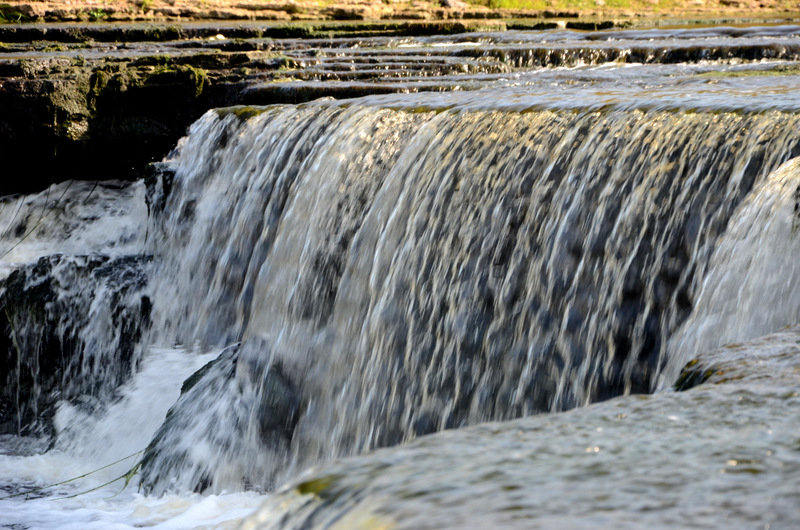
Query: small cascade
x,y
398,272
636,53
73,218
70,323
752,286
71,330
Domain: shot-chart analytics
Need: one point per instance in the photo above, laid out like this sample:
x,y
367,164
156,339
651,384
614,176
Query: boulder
x,y
248,407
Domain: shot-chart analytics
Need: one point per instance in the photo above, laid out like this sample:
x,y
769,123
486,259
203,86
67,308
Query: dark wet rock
x,y
590,26
70,331
250,407
63,112
770,358
303,92
158,180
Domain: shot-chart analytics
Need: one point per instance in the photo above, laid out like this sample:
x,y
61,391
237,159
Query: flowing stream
x,y
275,327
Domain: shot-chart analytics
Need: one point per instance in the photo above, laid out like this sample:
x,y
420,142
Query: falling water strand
x,y
72,318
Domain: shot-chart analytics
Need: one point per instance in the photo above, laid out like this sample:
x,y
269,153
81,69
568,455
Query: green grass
x,y
10,15
578,5
97,14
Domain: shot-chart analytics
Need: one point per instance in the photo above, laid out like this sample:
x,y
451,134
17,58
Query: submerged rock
x,y
70,328
234,414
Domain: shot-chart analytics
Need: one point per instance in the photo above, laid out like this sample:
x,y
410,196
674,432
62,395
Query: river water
x,y
455,308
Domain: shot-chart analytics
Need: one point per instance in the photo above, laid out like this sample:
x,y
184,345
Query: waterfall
x,y
379,273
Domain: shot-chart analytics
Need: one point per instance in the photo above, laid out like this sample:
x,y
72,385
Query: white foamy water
x,y
107,510
87,442
72,218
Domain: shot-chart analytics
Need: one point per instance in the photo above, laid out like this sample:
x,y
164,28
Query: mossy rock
x,y
692,375
242,112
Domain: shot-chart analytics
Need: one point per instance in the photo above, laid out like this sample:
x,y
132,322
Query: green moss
x,y
319,487
119,78
97,15
421,109
153,60
284,63
180,75
11,15
98,82
54,47
692,375
164,33
243,112
761,72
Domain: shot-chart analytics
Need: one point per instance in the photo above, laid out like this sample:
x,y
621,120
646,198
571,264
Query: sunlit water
x,y
725,453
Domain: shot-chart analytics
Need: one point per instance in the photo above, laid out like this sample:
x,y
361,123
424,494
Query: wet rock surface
x,y
772,358
727,446
263,407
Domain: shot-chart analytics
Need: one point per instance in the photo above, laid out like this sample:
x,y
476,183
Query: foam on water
x,y
89,441
105,510
72,218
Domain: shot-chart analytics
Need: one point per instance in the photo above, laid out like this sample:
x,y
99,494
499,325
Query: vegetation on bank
x,y
15,11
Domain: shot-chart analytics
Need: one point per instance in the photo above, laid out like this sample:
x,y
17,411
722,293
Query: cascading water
x,y
303,283
73,322
754,267
395,273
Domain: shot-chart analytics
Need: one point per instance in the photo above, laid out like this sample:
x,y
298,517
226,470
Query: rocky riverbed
x,y
99,89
